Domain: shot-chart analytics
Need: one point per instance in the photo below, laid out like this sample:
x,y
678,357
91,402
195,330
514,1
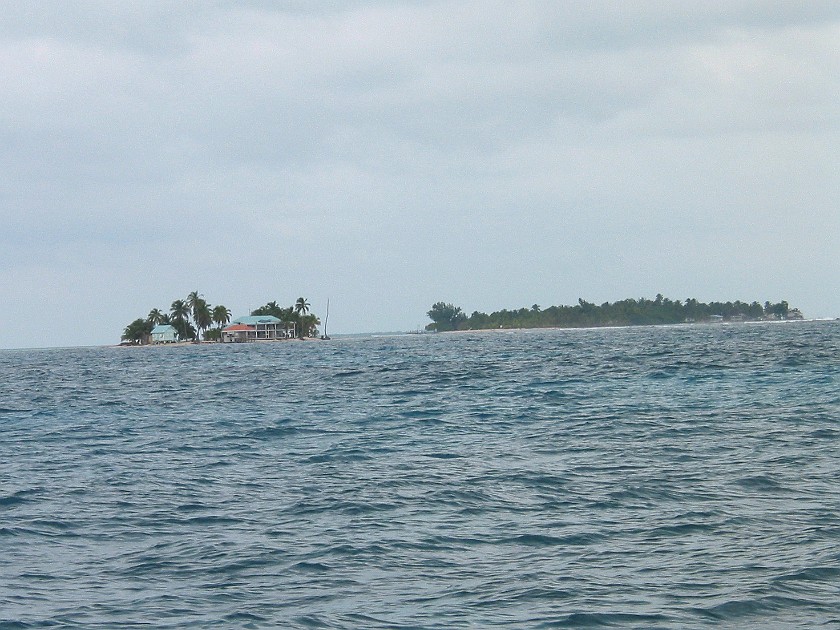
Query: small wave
x,y
212,520
46,529
679,530
61,526
351,551
737,609
423,414
311,621
151,567
113,403
824,434
14,531
267,433
310,567
367,621
348,456
347,373
245,617
16,498
452,542
41,577
813,574
594,620
662,374
761,483
542,540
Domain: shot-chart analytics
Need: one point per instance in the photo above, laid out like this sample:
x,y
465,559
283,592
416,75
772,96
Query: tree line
x,y
629,312
193,319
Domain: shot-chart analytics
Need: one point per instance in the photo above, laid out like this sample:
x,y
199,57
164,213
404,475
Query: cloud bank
x,y
390,155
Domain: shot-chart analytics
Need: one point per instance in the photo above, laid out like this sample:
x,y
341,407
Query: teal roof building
x,y
164,333
258,328
253,320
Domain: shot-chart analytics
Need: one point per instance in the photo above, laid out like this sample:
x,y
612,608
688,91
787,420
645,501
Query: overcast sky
x,y
388,155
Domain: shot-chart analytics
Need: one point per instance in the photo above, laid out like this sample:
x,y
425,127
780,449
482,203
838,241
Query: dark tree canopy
x,y
629,312
445,317
138,331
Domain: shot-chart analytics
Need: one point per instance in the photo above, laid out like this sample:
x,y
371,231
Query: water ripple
x,y
649,478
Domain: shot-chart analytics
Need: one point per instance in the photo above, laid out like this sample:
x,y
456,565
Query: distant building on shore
x,y
257,328
164,333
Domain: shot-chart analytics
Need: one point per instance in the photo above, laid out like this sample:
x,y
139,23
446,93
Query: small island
x,y
629,312
192,320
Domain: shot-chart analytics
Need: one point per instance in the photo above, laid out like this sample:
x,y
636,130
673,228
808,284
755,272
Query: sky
x,y
385,156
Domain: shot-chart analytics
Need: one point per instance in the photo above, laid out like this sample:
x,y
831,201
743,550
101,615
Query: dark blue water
x,y
646,477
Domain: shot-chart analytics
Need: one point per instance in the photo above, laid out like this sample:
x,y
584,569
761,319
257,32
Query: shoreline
x,y
181,344
484,331
622,326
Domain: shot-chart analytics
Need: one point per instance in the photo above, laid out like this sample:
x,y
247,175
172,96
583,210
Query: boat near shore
x,y
325,336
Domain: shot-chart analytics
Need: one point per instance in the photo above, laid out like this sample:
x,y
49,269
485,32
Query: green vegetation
x,y
446,317
138,331
629,312
193,319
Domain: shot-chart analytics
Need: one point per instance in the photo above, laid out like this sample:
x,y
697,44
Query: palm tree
x,y
156,316
202,315
189,330
193,301
179,309
301,306
272,308
180,312
286,314
221,315
308,325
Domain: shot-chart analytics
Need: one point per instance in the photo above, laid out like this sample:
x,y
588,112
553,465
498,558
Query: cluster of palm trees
x,y
194,308
193,319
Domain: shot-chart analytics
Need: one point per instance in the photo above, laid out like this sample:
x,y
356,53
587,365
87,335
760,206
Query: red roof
x,y
235,327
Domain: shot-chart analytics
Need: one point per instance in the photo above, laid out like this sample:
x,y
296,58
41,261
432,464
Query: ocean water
x,y
640,477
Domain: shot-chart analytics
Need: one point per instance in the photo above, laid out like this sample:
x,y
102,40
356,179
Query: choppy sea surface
x,y
659,477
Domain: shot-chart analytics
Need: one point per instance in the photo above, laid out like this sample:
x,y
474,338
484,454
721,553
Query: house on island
x,y
257,328
164,333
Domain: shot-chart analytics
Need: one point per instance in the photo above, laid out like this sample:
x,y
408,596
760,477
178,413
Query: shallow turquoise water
x,y
640,477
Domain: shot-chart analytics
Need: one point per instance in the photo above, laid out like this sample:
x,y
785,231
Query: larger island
x,y
629,312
